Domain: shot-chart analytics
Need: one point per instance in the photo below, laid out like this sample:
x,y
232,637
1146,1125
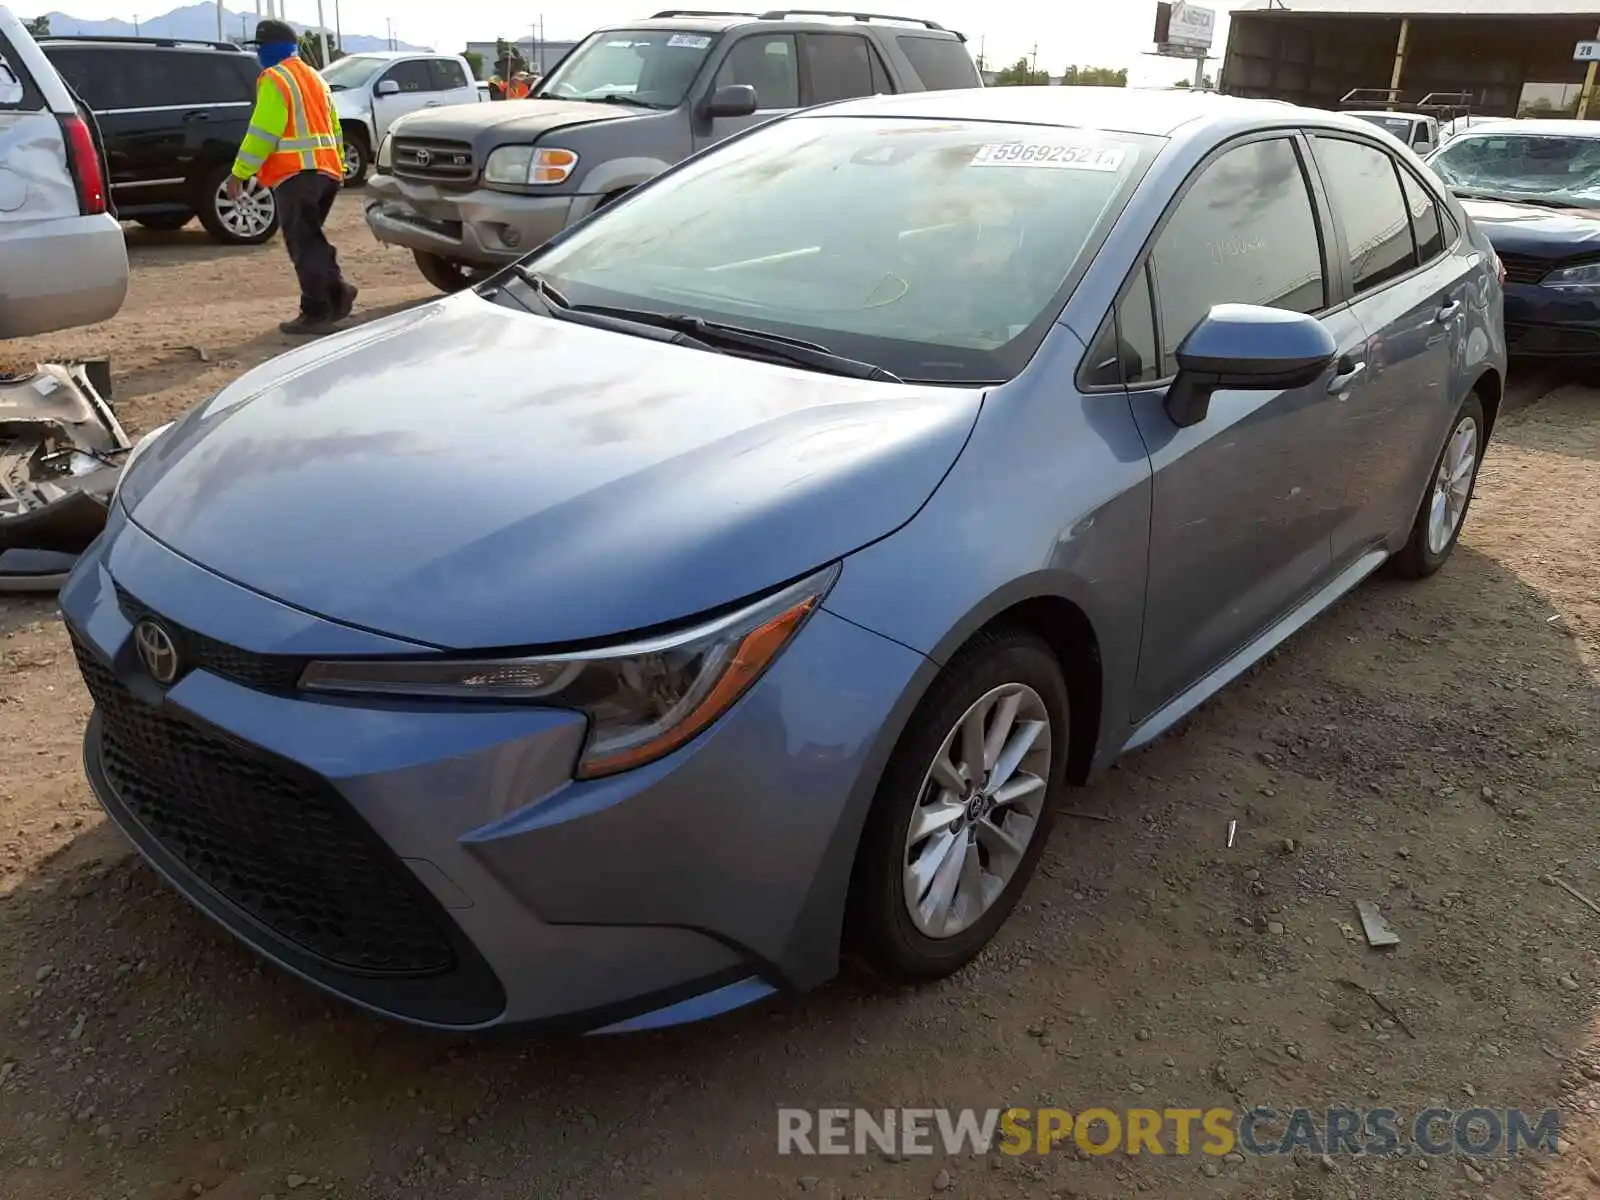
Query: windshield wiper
x,y
622,98
541,286
793,351
1535,201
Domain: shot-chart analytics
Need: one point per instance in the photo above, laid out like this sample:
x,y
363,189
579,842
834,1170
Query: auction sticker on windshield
x,y
689,41
1057,155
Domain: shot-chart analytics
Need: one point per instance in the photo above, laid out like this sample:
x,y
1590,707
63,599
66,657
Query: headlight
x,y
385,153
643,699
1585,276
523,165
139,448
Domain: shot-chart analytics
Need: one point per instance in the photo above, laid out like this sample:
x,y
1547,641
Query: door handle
x,y
1448,313
432,103
198,115
1348,373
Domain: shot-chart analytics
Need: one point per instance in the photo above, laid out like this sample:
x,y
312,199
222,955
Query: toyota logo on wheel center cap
x,y
156,651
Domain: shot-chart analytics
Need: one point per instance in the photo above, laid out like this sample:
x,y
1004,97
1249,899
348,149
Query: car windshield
x,y
650,67
1522,166
1399,126
352,72
937,250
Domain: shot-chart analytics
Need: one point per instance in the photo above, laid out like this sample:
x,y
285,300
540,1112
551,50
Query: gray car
x,y
469,189
789,566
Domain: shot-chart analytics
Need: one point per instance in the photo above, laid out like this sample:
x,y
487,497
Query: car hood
x,y
527,118
473,477
1535,230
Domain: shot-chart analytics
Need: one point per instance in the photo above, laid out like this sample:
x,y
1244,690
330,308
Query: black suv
x,y
172,114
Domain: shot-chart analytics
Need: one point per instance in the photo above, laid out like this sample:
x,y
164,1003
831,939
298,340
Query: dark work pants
x,y
304,202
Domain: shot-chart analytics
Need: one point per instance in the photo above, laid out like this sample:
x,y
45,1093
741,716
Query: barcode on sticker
x,y
689,41
1050,154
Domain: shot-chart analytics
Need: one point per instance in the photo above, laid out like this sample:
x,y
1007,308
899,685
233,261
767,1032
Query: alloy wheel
x,y
978,808
1452,486
352,158
251,214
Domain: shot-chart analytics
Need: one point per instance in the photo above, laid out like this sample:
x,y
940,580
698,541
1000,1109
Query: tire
x,y
881,929
357,159
446,274
1425,551
165,222
249,223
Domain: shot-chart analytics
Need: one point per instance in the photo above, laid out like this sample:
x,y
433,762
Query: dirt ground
x,y
1430,747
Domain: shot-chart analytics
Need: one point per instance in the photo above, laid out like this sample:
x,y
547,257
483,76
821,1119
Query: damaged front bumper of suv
x,y
61,453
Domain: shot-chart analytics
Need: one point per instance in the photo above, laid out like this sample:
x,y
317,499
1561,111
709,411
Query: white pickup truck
x,y
371,90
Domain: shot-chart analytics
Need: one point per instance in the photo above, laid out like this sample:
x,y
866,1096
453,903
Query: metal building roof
x,y
1425,8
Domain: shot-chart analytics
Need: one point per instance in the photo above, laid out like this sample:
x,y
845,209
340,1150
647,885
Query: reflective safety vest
x,y
518,90
294,127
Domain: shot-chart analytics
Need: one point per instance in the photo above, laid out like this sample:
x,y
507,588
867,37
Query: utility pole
x,y
390,22
322,38
220,34
338,29
983,62
1033,58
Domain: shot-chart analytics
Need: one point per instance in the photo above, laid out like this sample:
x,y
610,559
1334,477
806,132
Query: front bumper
x,y
482,227
1546,322
436,863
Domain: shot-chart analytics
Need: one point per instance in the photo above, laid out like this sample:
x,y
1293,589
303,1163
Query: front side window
x,y
448,75
767,62
1364,189
1534,167
959,240
353,71
1244,233
1127,350
653,68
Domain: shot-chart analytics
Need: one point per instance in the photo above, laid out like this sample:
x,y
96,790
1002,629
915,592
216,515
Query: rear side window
x,y
941,63
412,76
838,67
448,75
1364,187
1424,218
95,88
1244,233
217,78
16,89
765,61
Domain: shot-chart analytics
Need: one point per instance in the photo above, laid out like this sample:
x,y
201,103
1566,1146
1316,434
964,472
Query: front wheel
x,y
963,810
446,274
247,221
357,160
1444,508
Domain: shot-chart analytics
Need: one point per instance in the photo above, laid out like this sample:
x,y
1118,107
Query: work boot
x,y
307,326
346,303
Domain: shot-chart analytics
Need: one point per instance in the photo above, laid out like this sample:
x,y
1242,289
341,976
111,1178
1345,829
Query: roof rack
x,y
119,39
696,12
779,14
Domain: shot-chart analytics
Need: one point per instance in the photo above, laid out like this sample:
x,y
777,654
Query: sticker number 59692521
x,y
1050,154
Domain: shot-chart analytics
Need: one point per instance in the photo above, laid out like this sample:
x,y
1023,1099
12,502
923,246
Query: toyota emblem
x,y
423,158
156,651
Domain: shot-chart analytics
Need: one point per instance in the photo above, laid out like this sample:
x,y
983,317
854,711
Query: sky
x,y
1101,33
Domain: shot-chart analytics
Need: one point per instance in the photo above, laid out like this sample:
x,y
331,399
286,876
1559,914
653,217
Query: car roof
x,y
51,41
695,21
1159,112
1382,112
388,54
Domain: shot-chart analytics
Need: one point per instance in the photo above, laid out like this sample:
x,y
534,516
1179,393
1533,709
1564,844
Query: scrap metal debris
x,y
1374,926
61,452
1233,832
1575,894
1382,1004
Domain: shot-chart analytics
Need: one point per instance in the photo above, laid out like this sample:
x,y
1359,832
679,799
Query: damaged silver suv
x,y
473,187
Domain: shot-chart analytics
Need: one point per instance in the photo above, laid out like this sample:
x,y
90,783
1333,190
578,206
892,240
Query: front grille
x,y
1523,268
286,850
433,159
196,651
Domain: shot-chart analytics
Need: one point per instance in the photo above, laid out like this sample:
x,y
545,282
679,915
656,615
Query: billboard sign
x,y
1186,25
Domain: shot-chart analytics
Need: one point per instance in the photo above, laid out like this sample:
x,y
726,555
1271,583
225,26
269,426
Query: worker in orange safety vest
x,y
294,146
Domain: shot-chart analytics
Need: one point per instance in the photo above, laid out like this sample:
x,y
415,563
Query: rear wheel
x,y
357,159
1444,509
165,222
446,274
963,810
249,220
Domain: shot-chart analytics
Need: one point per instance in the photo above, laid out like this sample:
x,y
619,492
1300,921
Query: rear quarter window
x,y
17,91
941,64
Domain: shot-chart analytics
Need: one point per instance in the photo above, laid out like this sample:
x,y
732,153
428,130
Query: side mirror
x,y
1250,347
387,87
732,100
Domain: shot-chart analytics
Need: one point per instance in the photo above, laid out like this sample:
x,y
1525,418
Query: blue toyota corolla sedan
x,y
742,576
